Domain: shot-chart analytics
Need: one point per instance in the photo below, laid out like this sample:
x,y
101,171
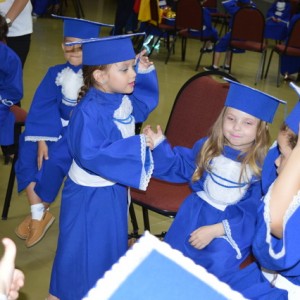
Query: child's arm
x,y
286,186
202,236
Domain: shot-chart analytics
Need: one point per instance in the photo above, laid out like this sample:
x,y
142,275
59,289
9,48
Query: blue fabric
x,y
290,64
209,30
252,101
93,220
106,50
40,6
277,30
250,281
155,282
293,119
44,123
253,285
219,257
289,264
11,91
269,170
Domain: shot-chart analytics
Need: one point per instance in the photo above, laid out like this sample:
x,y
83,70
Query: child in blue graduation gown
x,y
215,224
231,7
277,239
208,29
277,20
11,86
107,158
44,158
290,64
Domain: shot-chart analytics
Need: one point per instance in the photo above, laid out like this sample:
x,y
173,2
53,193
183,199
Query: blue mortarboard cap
x,y
293,119
107,50
160,272
252,101
80,28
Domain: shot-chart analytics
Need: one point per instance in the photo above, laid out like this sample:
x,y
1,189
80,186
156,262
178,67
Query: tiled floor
x,y
46,51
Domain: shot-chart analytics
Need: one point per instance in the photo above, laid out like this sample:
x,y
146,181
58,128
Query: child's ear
x,y
100,76
63,47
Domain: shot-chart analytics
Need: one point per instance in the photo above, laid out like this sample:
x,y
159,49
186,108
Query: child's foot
x,y
211,68
38,229
22,231
226,69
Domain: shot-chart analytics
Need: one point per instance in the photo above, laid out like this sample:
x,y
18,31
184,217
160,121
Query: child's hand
x,y
42,153
155,137
143,60
202,236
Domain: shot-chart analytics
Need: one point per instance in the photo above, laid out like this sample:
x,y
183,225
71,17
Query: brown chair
x,y
196,107
294,7
157,27
20,117
247,33
189,15
290,48
218,17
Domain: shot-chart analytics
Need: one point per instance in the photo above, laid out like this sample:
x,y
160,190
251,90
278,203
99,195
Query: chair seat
x,y
248,45
185,33
170,196
166,27
287,50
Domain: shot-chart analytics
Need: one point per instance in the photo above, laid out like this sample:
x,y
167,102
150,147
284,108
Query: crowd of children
x,y
80,130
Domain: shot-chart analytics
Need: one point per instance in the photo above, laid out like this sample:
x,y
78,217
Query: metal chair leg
x,y
269,62
133,219
11,180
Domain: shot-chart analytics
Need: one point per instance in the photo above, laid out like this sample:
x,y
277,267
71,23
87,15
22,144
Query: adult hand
x,y
11,279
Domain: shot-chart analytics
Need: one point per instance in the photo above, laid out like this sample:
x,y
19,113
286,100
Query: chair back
x,y
196,107
249,25
211,4
294,7
293,40
189,15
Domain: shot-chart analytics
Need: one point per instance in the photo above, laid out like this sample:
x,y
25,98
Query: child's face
x,y
73,54
119,78
239,128
285,150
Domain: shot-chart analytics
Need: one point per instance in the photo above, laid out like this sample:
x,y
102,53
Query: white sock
x,y
37,211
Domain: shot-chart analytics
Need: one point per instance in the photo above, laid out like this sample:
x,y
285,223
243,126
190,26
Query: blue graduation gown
x,y
11,91
93,218
279,255
231,7
290,64
208,29
223,254
277,30
269,169
47,120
